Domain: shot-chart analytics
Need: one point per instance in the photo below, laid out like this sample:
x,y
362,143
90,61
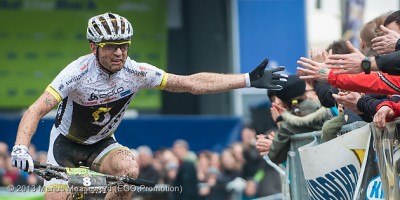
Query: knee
x,y
122,162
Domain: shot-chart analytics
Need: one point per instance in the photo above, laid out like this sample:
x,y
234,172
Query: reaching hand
x,y
313,70
21,159
348,100
267,78
381,115
387,42
317,55
346,63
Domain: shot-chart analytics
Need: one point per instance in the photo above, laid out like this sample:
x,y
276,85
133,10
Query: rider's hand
x,y
266,78
21,159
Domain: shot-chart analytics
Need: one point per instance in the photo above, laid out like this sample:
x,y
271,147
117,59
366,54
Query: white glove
x,y
238,185
21,159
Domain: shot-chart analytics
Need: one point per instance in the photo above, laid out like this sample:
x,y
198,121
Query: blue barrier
x,y
201,132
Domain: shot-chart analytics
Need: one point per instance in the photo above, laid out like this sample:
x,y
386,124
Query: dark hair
x,y
394,17
338,47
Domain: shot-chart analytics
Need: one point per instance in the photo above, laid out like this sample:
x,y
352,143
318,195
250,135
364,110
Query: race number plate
x,y
86,181
83,177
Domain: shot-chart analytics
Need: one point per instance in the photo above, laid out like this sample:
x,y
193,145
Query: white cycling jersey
x,y
93,102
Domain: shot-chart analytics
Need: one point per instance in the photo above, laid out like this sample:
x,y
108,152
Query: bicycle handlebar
x,y
49,171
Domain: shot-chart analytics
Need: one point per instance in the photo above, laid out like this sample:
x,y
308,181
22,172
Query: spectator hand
x,y
276,111
21,159
348,100
263,144
346,63
317,55
312,70
387,42
266,78
381,115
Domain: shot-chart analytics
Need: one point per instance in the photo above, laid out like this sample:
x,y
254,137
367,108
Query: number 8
x,y
86,181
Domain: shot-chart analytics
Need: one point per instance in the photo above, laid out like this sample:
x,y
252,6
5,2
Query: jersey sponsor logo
x,y
337,184
101,116
136,72
143,68
107,95
125,93
108,100
61,87
83,67
93,97
76,78
116,120
90,103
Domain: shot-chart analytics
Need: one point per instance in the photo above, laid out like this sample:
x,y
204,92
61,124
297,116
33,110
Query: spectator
x,y
250,153
203,164
4,148
228,173
304,114
147,171
170,166
4,180
14,176
187,175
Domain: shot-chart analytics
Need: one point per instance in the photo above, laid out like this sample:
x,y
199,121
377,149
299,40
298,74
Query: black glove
x,y
267,78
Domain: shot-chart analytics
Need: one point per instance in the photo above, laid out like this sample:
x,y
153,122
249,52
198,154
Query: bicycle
x,y
84,183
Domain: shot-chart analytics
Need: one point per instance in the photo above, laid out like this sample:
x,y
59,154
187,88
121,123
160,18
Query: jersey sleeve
x,y
65,81
151,76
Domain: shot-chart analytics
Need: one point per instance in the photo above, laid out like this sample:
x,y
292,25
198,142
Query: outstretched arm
x,y
205,82
43,105
20,157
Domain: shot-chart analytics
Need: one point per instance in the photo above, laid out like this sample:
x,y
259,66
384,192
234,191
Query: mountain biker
x,y
94,91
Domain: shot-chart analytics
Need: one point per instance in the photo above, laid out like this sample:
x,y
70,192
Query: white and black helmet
x,y
108,26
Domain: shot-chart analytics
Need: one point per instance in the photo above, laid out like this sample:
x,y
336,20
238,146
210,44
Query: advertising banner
x,y
332,169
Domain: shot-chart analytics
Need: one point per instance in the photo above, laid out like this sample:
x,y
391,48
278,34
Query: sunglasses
x,y
113,46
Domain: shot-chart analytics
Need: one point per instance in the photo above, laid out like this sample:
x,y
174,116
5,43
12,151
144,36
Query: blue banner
x,y
201,132
271,29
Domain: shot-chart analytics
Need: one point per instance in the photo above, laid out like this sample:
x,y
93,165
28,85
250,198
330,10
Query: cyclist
x,y
92,94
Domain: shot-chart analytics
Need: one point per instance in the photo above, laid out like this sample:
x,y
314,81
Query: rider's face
x,y
112,55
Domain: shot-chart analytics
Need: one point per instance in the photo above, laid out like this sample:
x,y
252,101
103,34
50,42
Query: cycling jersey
x,y
94,102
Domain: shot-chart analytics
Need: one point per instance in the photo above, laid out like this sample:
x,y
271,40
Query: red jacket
x,y
374,83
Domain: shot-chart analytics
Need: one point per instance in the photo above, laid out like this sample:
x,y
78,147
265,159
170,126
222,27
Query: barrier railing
x,y
294,172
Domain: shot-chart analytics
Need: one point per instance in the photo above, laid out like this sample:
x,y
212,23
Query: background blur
x,y
40,37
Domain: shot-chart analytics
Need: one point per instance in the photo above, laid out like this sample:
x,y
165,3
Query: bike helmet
x,y
108,26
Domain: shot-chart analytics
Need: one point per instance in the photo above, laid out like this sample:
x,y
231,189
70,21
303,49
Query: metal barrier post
x,y
298,185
